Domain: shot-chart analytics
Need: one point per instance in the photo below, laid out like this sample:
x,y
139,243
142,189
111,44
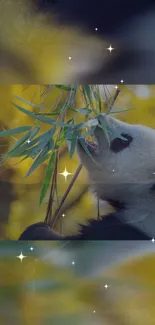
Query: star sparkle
x,y
106,286
110,48
65,173
21,256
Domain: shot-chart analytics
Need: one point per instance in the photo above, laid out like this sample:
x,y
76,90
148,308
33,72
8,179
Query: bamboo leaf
x,y
107,130
43,155
56,113
87,91
98,98
34,132
121,111
27,101
68,88
47,177
73,143
36,116
104,127
44,140
84,111
72,109
29,148
18,144
26,148
15,131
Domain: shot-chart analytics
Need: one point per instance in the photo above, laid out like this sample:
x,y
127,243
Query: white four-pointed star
x,y
110,48
21,256
65,173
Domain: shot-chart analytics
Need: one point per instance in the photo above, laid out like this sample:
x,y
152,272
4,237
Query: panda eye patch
x,y
118,144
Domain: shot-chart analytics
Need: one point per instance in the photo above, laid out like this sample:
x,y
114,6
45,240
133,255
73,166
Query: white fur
x,y
126,176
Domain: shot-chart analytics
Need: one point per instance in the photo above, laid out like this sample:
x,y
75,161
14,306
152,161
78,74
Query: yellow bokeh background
x,y
35,47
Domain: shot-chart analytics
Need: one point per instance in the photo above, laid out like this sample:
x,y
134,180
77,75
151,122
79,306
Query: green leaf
x,y
27,102
15,131
104,127
91,122
47,177
72,109
88,92
67,125
121,111
36,116
44,140
18,143
68,144
34,132
51,144
25,148
43,155
64,87
56,113
84,111
107,130
69,137
73,143
30,148
98,98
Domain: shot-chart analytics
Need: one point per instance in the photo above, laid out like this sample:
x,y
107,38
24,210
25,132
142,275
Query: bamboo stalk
x,y
58,210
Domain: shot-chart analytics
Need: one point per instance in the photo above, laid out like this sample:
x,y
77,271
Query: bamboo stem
x,y
57,212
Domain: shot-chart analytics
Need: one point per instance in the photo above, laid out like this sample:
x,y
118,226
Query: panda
x,y
121,173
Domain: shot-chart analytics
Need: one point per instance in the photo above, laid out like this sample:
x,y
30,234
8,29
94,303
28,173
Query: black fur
x,y
108,228
39,231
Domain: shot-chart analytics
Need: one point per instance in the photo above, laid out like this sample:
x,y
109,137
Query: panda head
x,y
123,168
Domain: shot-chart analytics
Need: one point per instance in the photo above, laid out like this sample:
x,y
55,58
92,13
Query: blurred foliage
x,y
20,208
35,48
43,289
